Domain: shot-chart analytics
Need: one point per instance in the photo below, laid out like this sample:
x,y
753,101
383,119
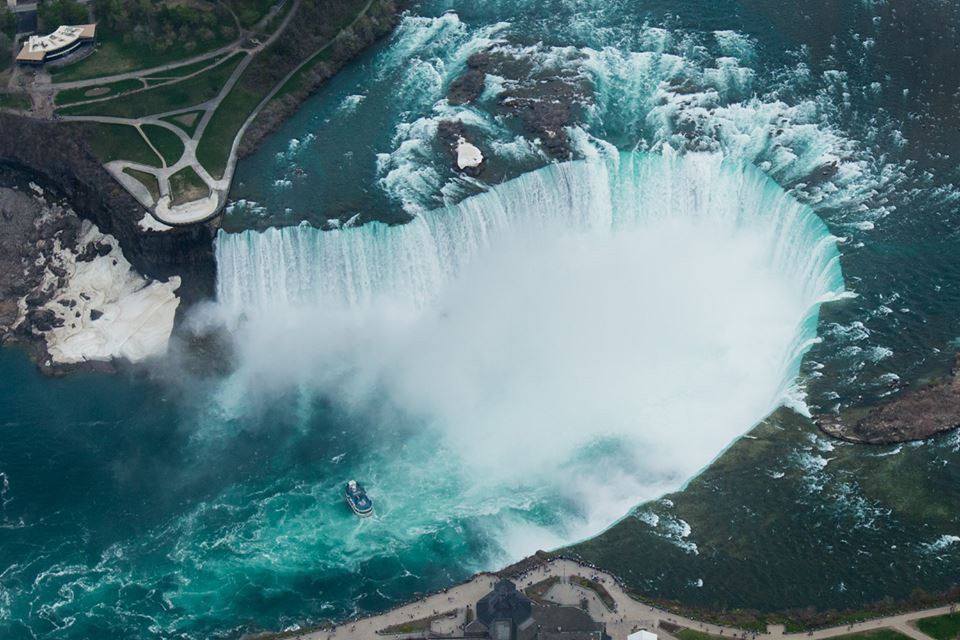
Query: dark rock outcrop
x,y
543,101
56,155
469,86
915,415
20,237
450,132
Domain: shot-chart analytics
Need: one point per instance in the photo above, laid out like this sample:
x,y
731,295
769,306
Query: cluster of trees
x,y
8,21
53,13
161,27
8,29
249,12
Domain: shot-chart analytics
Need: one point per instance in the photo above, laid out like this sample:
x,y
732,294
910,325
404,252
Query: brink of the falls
x,y
600,329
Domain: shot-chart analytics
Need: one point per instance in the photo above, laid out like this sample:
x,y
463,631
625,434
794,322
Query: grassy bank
x,y
112,56
188,121
214,148
759,538
169,97
121,142
187,69
164,141
318,23
538,590
187,186
146,179
942,627
69,96
15,101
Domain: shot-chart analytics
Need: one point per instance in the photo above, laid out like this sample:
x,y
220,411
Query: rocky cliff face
x,y
56,156
66,290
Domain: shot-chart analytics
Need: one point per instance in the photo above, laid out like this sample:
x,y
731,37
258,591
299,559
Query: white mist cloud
x,y
601,364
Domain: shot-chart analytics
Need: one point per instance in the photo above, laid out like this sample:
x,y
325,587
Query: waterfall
x,y
297,265
601,328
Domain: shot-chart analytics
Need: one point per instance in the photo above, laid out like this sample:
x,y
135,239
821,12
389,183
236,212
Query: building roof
x,y
552,622
36,48
503,603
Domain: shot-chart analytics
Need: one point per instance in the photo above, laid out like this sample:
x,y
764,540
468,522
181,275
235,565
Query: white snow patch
x,y
467,154
648,518
136,313
149,223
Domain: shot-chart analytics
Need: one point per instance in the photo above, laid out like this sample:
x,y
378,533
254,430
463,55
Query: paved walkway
x,y
627,616
163,208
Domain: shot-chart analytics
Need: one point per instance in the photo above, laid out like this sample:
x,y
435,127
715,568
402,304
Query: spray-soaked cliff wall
x,y
57,157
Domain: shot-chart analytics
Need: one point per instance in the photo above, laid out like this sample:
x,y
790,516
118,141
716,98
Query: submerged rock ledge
x,y
915,415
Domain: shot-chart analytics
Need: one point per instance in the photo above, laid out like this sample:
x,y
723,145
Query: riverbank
x,y
109,196
57,156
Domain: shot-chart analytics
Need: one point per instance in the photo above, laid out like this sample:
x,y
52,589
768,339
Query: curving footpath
x,y
163,208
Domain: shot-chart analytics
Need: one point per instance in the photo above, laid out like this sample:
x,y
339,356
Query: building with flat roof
x,y
508,614
40,49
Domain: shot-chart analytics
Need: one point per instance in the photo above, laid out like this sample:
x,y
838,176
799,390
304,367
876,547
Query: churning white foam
x,y
598,329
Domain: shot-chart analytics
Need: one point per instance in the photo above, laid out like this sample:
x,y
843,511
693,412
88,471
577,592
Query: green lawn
x,y
121,142
691,634
597,588
414,626
15,101
113,56
295,83
249,12
269,26
186,186
187,69
148,180
214,148
538,590
178,95
69,96
879,634
165,141
181,119
942,627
